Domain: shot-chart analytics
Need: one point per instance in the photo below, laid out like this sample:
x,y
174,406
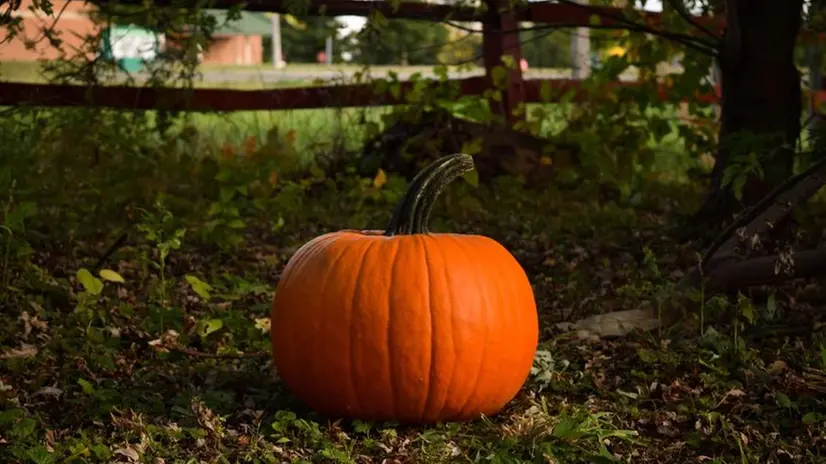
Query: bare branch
x,y
680,9
200,354
769,210
706,46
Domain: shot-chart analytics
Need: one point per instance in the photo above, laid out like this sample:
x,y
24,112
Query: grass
x,y
30,71
147,369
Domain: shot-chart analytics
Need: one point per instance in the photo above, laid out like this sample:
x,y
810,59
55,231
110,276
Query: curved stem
x,y
413,211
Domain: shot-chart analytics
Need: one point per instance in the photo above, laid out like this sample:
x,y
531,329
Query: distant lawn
x,y
30,71
20,71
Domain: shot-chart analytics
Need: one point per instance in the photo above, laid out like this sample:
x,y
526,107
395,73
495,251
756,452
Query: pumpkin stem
x,y
413,211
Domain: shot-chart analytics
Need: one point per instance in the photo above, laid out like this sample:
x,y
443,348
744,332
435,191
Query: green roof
x,y
250,23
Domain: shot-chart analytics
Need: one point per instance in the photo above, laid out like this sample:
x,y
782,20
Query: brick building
x,y
238,43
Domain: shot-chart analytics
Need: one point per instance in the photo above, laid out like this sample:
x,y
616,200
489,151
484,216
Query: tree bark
x,y
761,97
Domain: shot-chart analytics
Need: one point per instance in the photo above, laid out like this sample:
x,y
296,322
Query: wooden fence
x,y
500,39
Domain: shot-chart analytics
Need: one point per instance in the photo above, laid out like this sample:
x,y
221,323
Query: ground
x,y
85,379
138,266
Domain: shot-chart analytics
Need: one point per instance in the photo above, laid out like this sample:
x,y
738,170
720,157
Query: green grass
x,y
20,71
30,71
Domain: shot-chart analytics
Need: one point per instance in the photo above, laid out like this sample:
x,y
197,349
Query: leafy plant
x,y
158,228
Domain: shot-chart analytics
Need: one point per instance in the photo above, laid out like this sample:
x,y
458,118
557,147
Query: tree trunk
x,y
761,99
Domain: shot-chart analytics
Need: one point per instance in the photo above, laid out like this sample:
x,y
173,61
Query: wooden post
x,y
275,25
500,38
581,51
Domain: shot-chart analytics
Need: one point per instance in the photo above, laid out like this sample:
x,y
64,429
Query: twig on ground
x,y
200,354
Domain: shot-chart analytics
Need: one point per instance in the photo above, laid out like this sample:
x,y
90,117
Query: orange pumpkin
x,y
405,325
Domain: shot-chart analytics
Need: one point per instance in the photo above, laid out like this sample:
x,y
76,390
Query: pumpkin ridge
x,y
460,245
432,341
291,272
351,324
390,340
317,374
454,345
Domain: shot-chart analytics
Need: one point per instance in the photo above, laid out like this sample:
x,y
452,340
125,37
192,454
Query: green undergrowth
x,y
138,266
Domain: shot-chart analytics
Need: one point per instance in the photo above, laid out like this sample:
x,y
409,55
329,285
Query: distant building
x,y
31,44
237,43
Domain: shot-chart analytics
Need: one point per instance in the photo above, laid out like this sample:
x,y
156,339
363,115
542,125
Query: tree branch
x,y
686,40
200,354
680,9
731,276
771,209
705,46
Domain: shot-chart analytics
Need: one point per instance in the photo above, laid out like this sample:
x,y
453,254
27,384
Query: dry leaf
x,y
129,452
778,367
380,179
291,136
25,351
250,145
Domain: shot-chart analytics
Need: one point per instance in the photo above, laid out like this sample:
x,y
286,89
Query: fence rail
x,y
337,96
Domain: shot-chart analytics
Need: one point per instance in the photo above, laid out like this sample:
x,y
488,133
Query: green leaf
x,y
737,186
86,386
782,400
10,415
199,287
236,224
567,428
278,224
771,306
595,20
24,428
89,282
111,276
499,77
811,418
545,92
472,177
101,452
227,193
209,326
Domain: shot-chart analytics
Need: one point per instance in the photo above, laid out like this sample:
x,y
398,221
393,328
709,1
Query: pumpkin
x,y
404,324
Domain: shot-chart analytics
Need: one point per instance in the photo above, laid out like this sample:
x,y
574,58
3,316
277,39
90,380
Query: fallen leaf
x,y
111,276
129,452
25,351
778,367
380,179
49,391
227,151
618,323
